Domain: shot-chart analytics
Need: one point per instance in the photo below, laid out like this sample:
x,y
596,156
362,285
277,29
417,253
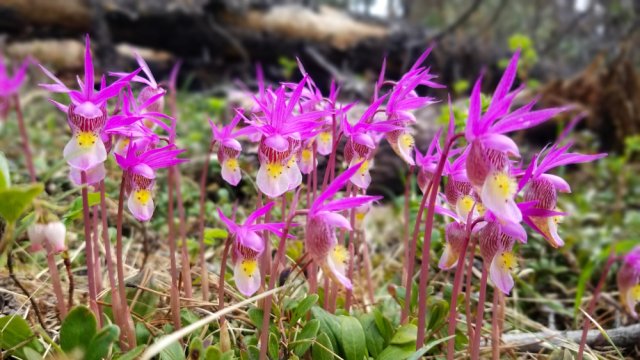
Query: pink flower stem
x,y
124,306
496,326
182,228
327,291
55,280
594,300
457,283
175,293
25,139
89,253
475,344
407,221
279,257
115,294
367,267
204,275
96,255
467,297
350,248
223,270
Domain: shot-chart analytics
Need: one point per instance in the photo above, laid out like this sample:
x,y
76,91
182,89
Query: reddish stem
x,y
204,276
496,325
115,294
426,244
223,270
67,266
407,221
175,293
457,282
475,344
93,304
55,280
25,139
186,266
124,306
467,297
367,267
592,303
96,254
351,192
279,257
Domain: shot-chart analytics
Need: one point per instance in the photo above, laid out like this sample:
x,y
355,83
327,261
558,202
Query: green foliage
x,y
352,340
75,209
5,175
16,200
77,331
16,336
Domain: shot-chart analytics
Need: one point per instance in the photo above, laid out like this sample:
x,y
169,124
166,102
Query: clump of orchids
x,y
133,128
485,190
489,193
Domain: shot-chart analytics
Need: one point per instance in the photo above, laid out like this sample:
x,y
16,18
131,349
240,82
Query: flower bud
x,y
48,235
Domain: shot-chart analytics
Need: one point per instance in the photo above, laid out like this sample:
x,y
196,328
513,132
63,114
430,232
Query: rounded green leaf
x,y
15,334
306,337
352,339
405,334
322,348
16,200
100,345
78,329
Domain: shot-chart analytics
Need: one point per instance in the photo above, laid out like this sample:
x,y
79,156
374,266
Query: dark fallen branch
x,y
622,337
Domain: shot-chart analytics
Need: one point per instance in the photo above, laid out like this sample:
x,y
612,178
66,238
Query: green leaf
x,y
213,234
306,336
375,341
75,209
322,348
196,350
405,334
418,354
17,199
30,354
352,339
101,343
329,324
134,353
437,314
213,353
5,174
384,325
397,352
273,348
303,307
15,334
255,315
172,352
77,330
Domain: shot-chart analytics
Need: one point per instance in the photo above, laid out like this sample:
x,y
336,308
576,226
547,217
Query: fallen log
x,y
626,337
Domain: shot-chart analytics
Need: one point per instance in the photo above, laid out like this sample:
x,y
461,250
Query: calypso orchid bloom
x,y
362,142
248,245
87,114
488,166
139,168
280,129
9,85
152,90
229,149
402,101
543,188
629,281
496,249
323,218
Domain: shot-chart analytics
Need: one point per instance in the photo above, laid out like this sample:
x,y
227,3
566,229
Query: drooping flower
x,y
323,218
51,235
542,188
248,245
9,85
496,249
362,141
151,96
87,114
229,149
629,281
139,166
488,166
403,100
